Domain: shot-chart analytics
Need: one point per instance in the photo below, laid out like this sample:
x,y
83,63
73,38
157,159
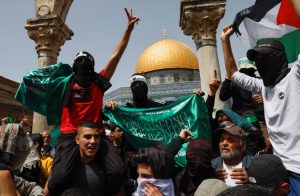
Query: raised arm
x,y
119,50
229,61
296,5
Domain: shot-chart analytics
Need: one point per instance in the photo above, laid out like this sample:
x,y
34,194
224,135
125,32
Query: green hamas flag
x,y
142,126
42,90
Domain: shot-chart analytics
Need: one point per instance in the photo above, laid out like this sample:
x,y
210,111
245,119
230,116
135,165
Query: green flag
x,y
42,90
142,126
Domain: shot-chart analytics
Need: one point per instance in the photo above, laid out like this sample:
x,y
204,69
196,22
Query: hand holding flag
x,y
270,19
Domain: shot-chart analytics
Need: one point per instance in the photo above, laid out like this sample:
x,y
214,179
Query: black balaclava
x,y
85,75
140,94
83,68
270,60
248,71
199,155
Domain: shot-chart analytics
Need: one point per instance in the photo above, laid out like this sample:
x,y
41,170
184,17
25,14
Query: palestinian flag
x,y
270,19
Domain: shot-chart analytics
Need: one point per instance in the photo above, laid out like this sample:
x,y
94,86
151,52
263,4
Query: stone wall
x,y
8,106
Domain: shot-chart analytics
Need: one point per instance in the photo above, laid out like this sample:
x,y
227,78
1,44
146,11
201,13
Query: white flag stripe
x,y
252,31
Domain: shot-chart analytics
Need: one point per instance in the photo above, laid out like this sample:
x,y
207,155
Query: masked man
x,y
280,89
83,102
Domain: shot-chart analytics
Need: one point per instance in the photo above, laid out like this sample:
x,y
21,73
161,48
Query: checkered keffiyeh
x,y
13,140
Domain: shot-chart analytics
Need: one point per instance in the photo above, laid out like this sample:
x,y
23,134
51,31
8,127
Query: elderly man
x,y
230,165
47,150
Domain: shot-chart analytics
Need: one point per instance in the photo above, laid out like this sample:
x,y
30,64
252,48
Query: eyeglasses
x,y
89,136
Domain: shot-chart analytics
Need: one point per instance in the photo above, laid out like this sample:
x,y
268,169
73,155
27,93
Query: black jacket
x,y
241,99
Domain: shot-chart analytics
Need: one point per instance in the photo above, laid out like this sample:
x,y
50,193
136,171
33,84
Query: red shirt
x,y
85,105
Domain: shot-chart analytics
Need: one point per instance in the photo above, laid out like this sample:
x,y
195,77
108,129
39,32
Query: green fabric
x,y
291,44
42,90
144,126
9,120
54,134
251,119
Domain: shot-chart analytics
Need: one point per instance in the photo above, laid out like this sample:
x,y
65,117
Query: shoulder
x,y
217,163
247,160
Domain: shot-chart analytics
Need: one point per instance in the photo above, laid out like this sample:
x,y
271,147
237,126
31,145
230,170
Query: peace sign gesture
x,y
131,19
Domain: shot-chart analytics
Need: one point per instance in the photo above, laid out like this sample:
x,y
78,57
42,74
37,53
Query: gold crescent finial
x,y
165,33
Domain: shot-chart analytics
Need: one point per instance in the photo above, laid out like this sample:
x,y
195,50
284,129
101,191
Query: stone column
x,y
49,31
200,19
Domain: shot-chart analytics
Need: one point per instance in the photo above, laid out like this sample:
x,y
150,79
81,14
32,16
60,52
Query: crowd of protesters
x,y
254,148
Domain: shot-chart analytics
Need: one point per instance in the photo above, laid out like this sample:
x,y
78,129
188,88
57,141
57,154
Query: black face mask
x,y
272,68
140,94
84,72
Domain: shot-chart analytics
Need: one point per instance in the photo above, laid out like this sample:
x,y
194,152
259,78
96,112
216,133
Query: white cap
x,y
245,63
136,78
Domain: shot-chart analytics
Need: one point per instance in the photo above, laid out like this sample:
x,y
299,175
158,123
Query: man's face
x,y
88,140
144,171
231,148
26,125
46,137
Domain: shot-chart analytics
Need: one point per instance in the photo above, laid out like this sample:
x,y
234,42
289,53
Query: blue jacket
x,y
217,163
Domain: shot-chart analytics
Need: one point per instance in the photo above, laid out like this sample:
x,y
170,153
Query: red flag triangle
x,y
287,14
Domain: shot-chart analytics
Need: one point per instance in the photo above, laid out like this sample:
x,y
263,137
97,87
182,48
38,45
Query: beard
x,y
232,156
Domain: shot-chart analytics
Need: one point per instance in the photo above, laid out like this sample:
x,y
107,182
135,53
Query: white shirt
x,y
282,113
229,181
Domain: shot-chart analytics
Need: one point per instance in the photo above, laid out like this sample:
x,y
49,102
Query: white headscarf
x,y
136,78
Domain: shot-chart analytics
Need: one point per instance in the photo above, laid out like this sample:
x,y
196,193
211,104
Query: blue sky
x,y
98,26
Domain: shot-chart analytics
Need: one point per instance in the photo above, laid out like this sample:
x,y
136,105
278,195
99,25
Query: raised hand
x,y
214,84
198,92
131,19
227,32
111,105
185,134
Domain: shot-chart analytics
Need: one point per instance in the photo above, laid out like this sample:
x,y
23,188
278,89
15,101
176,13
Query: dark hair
x,y
37,137
88,124
246,190
139,157
75,191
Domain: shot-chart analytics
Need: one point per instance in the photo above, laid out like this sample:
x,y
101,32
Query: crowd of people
x,y
254,148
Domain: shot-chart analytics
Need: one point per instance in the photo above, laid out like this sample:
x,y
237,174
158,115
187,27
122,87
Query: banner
x,y
42,90
143,126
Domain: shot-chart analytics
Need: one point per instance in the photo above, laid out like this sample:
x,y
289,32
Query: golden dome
x,y
166,54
